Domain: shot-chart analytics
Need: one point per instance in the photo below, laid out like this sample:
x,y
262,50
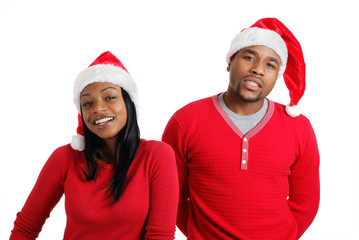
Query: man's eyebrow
x,y
250,51
273,59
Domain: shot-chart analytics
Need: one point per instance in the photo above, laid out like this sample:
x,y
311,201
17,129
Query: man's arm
x,y
173,136
304,184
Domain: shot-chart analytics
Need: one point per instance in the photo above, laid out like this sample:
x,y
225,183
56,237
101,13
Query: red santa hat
x,y
272,33
106,68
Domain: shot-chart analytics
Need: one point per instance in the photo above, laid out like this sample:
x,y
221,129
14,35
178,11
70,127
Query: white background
x,y
175,51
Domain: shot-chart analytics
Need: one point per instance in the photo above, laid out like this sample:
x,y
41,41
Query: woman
x,y
116,185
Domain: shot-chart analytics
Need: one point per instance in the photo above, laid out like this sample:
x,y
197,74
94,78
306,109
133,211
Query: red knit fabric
x,y
147,209
273,194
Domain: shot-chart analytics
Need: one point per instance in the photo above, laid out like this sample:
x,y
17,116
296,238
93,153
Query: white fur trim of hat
x,y
105,73
259,36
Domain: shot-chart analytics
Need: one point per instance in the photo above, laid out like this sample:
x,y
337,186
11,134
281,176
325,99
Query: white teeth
x,y
103,120
252,83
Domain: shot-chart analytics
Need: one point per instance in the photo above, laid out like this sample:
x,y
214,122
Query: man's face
x,y
253,73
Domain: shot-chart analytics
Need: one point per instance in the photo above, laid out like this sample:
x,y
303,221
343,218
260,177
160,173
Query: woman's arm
x,y
42,199
161,223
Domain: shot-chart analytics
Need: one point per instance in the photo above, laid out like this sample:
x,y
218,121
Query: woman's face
x,y
103,109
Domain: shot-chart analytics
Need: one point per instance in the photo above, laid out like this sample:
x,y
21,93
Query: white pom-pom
x,y
292,111
78,142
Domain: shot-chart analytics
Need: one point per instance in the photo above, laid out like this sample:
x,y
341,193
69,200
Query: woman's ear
x,y
229,67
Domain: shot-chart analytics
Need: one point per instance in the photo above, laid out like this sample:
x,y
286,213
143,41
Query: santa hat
x,y
272,33
106,68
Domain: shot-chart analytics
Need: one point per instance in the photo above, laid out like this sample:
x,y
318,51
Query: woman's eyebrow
x,y
88,94
108,88
85,95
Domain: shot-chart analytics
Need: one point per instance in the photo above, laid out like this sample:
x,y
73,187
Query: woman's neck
x,y
107,152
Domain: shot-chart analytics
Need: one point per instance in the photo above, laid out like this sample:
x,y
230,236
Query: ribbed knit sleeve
x,y
174,136
42,199
304,187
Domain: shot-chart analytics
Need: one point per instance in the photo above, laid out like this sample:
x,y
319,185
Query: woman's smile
x,y
104,121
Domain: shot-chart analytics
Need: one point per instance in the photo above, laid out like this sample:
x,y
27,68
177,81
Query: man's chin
x,y
248,96
250,99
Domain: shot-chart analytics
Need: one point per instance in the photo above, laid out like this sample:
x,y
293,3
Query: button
x,y
245,139
244,161
244,150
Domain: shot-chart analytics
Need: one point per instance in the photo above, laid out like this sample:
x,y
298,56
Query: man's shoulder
x,y
198,105
299,121
194,112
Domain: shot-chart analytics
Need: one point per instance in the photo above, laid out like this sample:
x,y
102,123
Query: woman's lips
x,y
103,122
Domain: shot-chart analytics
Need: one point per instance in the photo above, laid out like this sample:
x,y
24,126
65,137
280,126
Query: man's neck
x,y
240,107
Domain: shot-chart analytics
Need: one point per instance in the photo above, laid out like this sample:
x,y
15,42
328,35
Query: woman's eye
x,y
110,98
249,58
86,104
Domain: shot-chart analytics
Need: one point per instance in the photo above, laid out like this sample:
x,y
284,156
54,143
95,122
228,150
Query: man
x,y
248,167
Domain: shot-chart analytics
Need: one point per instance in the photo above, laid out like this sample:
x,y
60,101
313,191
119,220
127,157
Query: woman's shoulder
x,y
156,151
66,150
65,154
60,161
154,146
157,156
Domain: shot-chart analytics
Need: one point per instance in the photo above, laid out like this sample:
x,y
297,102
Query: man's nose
x,y
258,69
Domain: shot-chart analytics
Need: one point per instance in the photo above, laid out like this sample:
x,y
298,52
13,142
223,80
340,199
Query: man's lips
x,y
254,80
252,83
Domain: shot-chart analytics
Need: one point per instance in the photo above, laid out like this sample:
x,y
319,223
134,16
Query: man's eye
x,y
271,65
248,58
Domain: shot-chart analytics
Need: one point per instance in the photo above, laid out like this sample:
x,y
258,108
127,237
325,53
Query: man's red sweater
x,y
146,210
261,185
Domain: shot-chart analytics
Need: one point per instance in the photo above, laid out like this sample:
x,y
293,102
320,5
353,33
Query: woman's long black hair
x,y
127,144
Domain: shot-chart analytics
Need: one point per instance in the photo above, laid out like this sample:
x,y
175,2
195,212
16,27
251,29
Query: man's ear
x,y
229,66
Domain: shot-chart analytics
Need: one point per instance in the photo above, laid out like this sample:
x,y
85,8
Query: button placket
x,y
244,161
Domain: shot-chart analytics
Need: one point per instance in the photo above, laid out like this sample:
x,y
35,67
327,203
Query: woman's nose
x,y
100,106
